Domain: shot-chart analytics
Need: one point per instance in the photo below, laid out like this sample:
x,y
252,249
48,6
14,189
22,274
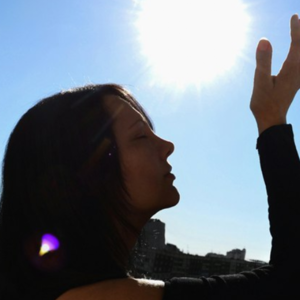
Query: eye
x,y
143,131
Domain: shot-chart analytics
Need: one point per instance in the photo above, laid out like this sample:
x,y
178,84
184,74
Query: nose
x,y
171,148
168,148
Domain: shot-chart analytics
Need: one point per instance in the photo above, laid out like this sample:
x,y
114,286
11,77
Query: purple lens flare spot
x,y
49,243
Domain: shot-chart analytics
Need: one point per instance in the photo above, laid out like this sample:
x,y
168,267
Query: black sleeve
x,y
281,171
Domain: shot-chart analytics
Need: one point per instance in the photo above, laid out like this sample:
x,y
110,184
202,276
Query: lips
x,y
170,176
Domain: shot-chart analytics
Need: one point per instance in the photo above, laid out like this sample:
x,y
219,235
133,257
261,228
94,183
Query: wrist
x,y
262,126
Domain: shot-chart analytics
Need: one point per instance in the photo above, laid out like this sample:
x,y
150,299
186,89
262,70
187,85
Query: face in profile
x,y
143,155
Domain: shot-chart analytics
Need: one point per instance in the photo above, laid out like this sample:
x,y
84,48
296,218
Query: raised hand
x,y
273,95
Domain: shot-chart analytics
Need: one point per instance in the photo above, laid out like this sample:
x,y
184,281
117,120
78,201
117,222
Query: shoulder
x,y
117,289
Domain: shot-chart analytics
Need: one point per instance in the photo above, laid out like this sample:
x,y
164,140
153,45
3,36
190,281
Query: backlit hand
x,y
273,95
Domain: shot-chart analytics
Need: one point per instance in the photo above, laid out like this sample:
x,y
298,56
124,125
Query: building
x,y
236,254
152,258
153,235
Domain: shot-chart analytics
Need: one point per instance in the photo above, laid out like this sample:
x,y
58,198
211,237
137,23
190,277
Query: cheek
x,y
142,178
140,165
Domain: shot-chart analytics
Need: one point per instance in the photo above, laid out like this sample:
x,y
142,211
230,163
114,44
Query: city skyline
x,y
153,258
233,253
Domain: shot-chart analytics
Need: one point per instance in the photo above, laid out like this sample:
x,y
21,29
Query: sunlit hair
x,y
62,175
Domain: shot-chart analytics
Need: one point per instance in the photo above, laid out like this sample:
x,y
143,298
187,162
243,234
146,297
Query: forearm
x,y
281,171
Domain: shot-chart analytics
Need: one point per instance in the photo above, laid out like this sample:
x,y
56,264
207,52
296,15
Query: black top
x,y
281,171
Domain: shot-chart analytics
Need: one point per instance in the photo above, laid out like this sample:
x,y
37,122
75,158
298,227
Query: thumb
x,y
263,62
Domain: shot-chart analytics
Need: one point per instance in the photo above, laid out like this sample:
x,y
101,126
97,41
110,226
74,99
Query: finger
x,y
263,62
295,30
294,53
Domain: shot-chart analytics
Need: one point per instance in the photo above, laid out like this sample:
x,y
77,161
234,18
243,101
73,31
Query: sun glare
x,y
191,42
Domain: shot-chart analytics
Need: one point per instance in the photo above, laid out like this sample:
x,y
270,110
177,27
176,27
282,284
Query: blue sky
x,y
47,46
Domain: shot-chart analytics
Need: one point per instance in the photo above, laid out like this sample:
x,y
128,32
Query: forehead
x,y
121,111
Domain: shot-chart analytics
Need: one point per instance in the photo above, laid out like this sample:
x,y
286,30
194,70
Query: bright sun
x,y
191,42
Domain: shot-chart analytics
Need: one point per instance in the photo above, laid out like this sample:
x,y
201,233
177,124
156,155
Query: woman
x,y
85,166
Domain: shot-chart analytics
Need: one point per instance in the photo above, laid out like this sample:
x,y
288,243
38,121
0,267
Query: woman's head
x,y
68,171
143,156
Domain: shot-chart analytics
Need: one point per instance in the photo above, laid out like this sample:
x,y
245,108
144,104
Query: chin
x,y
176,198
172,200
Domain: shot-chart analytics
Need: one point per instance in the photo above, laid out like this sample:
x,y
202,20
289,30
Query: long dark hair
x,y
62,175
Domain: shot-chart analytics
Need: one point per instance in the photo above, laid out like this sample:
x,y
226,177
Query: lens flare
x,y
49,243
